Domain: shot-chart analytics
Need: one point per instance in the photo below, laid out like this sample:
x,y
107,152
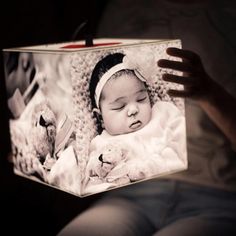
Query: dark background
x,y
28,207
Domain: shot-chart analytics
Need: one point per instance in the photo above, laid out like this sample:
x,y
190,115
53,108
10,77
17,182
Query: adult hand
x,y
196,81
218,104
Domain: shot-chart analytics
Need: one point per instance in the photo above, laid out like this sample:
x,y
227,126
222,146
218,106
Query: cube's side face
x,y
41,116
153,144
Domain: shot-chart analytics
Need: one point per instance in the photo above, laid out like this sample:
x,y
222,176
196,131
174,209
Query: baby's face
x,y
125,105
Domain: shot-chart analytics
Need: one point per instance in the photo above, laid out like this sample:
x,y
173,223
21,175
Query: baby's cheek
x,y
112,130
111,125
147,114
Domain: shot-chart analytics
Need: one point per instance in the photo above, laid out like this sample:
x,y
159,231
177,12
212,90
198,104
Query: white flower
x,y
143,62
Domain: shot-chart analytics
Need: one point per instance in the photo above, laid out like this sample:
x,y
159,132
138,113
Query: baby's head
x,y
119,96
20,71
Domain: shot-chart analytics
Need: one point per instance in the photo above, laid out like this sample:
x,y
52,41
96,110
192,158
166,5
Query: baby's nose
x,y
132,110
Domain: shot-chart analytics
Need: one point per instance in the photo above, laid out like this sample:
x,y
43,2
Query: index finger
x,y
182,53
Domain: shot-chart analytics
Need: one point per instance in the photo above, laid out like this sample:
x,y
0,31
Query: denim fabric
x,y
165,201
113,216
159,207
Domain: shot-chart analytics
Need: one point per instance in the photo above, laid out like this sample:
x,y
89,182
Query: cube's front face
x,y
124,130
137,131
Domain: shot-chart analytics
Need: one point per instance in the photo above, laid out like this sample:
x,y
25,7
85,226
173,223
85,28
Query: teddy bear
x,y
43,131
117,164
108,165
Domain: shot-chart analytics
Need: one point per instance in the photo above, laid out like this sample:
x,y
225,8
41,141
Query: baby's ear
x,y
96,111
98,115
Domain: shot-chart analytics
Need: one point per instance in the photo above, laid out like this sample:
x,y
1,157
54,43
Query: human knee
x,y
116,217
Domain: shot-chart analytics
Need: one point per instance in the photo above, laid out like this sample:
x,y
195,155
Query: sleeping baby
x,y
138,140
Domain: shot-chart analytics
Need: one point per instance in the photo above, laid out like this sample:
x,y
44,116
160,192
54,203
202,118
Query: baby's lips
x,y
135,124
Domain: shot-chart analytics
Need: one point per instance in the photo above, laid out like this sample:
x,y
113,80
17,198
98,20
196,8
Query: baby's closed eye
x,y
142,99
118,107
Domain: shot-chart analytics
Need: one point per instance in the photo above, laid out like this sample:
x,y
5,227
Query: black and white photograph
x,y
139,129
91,120
118,118
41,116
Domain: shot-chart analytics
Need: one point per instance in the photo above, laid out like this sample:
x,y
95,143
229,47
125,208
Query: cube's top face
x,y
81,45
53,123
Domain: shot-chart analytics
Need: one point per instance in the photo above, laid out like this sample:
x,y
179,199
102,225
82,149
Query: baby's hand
x,y
136,171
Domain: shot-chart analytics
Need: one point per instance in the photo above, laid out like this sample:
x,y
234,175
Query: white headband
x,y
107,75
